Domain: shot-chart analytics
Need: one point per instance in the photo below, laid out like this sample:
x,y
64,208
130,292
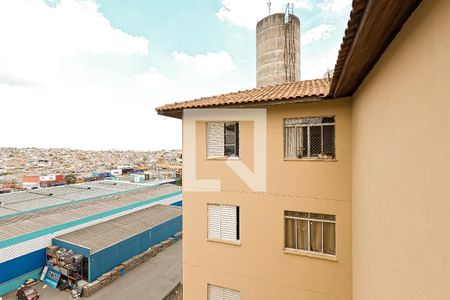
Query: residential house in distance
x,y
327,189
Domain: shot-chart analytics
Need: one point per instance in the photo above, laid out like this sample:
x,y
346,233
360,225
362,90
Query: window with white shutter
x,y
223,222
222,139
220,293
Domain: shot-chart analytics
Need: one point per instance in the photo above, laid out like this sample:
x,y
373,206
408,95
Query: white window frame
x,y
212,146
223,212
307,126
215,292
309,220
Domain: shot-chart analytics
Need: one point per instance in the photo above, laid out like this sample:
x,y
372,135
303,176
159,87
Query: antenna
x,y
269,4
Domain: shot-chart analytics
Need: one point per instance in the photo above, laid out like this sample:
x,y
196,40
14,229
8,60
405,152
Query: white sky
x,y
65,78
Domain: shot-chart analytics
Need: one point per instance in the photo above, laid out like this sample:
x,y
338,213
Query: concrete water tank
x,y
277,49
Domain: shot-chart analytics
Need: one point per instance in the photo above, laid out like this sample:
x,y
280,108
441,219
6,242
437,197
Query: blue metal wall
x,y
107,259
21,265
16,271
15,283
178,203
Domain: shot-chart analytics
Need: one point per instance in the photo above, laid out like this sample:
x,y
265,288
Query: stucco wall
x,y
258,267
401,173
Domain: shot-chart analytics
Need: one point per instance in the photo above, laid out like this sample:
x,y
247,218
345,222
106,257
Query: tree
x,y
70,178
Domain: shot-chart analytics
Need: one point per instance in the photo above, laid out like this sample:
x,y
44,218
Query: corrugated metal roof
x,y
20,202
104,235
23,224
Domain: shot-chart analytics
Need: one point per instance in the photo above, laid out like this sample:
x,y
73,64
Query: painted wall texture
x,y
401,179
258,267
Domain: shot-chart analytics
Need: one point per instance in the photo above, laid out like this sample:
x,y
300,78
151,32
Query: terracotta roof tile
x,y
284,91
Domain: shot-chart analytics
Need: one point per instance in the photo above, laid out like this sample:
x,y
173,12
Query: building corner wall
x,y
400,183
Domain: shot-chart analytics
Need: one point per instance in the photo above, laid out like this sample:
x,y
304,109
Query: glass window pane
x,y
316,236
231,139
315,133
230,150
289,233
322,217
329,238
298,142
328,141
316,216
328,120
302,234
289,142
305,142
296,214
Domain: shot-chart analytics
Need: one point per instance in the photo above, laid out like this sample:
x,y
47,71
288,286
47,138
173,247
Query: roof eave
x,y
172,113
178,113
371,28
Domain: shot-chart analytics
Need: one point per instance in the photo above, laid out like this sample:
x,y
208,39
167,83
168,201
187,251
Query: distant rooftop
x,y
20,202
103,235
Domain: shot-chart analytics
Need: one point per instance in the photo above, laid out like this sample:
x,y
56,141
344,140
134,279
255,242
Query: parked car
x,y
27,293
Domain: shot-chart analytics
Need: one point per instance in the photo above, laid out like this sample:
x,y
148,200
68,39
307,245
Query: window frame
x,y
309,219
236,145
308,126
236,241
222,288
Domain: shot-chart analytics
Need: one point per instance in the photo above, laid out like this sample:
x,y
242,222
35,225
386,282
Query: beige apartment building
x,y
327,189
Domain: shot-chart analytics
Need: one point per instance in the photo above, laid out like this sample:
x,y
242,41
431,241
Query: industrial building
x,y
108,244
30,220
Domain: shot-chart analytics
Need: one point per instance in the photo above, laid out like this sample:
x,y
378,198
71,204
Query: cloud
x,y
317,33
67,70
152,79
335,6
317,68
207,65
40,42
247,12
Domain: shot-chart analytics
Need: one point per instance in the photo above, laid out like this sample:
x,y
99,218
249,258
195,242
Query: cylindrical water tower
x,y
277,49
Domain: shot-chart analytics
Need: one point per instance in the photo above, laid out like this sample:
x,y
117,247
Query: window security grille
x,y
222,139
223,222
309,138
310,232
220,293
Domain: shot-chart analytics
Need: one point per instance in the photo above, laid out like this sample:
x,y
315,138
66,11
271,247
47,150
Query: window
x,y
220,293
222,139
309,138
310,232
223,222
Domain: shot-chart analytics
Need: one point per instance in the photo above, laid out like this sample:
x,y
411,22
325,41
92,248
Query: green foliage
x,y
70,178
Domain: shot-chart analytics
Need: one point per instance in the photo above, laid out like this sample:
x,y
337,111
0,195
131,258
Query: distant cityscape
x,y
27,168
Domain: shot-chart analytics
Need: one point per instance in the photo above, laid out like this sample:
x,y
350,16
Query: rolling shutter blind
x,y
222,222
216,139
228,223
219,293
214,221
